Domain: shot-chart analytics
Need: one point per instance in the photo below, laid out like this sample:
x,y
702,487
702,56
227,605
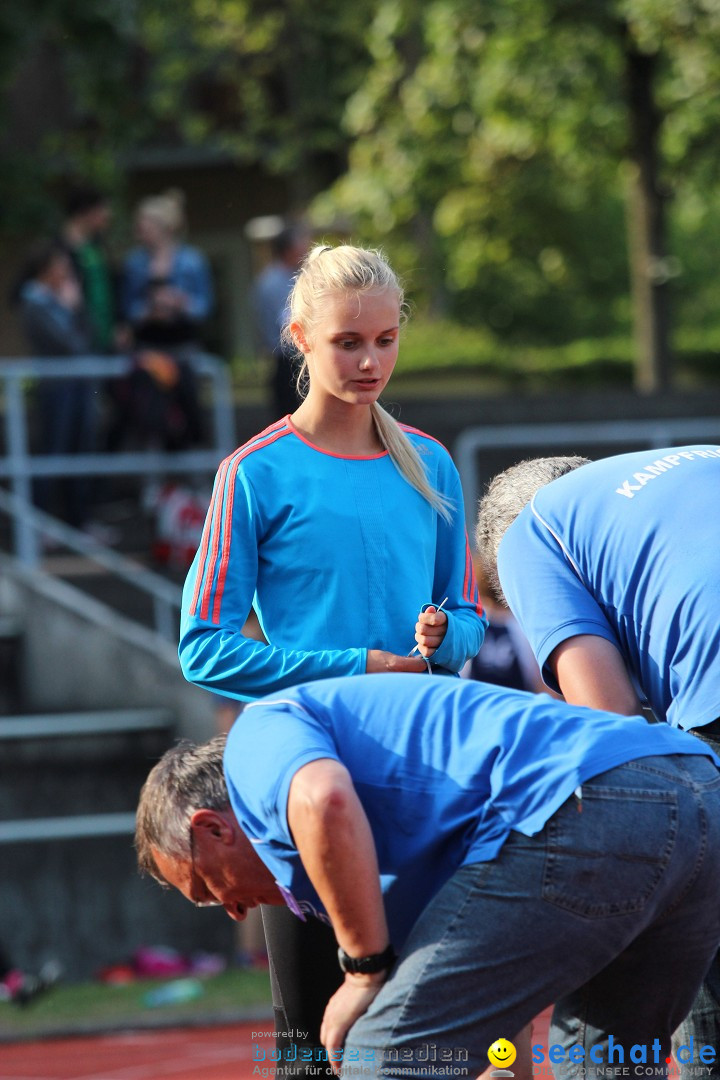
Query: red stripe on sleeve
x,y
211,520
215,533
225,558
207,529
272,436
466,579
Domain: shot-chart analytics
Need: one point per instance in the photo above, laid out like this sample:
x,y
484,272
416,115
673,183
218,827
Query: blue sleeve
x,y
217,599
455,578
544,590
263,754
195,281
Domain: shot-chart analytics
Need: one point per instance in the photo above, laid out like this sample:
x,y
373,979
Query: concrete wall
x,y
78,654
81,901
446,415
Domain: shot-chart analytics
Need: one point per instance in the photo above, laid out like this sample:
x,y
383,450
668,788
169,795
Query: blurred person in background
x,y
87,219
505,658
166,298
270,300
53,318
167,292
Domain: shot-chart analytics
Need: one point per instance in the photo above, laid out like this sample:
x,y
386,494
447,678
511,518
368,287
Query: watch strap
x,y
367,965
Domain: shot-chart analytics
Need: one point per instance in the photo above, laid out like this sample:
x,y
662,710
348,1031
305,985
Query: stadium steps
x,y
88,765
73,758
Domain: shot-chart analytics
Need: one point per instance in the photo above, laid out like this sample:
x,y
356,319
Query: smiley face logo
x,y
502,1053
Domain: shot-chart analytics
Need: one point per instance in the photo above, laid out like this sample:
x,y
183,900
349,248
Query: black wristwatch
x,y
367,965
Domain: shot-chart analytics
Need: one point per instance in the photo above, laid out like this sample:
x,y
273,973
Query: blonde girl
x,y
344,530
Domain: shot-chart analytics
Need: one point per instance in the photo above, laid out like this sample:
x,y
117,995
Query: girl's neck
x,y
343,429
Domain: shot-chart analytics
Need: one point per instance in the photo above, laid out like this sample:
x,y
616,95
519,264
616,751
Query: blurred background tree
x,y
260,80
528,150
543,169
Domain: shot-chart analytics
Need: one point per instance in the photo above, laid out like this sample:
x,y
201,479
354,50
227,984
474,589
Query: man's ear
x,y
298,336
213,825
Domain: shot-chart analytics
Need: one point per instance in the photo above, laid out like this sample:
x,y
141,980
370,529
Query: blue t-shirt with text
x,y
626,548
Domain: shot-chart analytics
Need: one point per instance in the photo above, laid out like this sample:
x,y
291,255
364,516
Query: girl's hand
x,y
380,661
430,629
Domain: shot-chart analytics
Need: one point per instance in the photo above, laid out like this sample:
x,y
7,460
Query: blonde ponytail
x,y
407,460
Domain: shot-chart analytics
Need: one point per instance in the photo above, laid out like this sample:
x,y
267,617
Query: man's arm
x,y
333,837
591,671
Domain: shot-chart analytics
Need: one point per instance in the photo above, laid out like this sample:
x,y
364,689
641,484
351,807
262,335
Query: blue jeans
x,y
611,912
702,1024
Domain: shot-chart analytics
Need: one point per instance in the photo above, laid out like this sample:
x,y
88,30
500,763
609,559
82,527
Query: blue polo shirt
x,y
627,548
444,769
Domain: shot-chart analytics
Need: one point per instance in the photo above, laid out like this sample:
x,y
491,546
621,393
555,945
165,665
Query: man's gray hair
x,y
505,496
188,777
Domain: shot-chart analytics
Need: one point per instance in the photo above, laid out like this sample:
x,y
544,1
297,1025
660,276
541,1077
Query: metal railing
x,y
101,722
19,467
650,433
164,595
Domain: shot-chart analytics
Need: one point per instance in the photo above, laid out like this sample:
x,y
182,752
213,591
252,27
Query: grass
x,y
84,1007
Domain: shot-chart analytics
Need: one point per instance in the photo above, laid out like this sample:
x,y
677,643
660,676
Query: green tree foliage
x,y
82,52
264,81
504,128
494,145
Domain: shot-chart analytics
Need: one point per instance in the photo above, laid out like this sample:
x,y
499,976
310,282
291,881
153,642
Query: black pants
x,y
304,974
285,398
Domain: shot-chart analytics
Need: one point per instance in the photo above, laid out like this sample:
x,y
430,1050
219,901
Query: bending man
x,y
612,569
513,851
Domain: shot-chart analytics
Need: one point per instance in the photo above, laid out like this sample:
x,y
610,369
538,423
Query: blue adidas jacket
x,y
337,555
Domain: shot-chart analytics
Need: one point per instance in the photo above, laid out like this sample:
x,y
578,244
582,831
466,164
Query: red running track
x,y
212,1053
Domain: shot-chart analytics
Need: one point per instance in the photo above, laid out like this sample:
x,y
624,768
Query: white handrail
x,y
648,433
165,594
20,467
77,827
